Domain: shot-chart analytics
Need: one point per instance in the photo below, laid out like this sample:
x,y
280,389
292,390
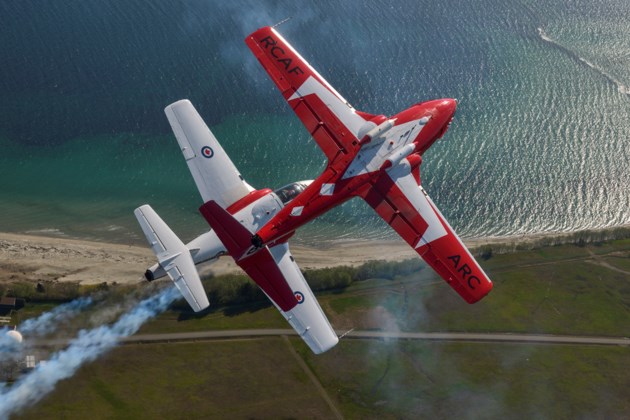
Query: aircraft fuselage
x,y
413,131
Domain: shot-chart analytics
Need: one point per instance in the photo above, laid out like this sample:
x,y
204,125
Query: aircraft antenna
x,y
346,333
282,21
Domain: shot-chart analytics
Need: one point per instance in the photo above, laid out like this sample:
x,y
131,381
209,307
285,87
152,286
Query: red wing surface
x,y
403,204
327,116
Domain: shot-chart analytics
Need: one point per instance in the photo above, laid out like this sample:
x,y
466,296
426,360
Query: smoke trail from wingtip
x,y
86,347
46,322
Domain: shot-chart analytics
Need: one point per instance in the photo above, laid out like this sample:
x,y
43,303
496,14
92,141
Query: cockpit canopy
x,y
290,191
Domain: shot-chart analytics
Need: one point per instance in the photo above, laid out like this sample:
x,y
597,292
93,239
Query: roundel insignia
x,y
207,152
299,297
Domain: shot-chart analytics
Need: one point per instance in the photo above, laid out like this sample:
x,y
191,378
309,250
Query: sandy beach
x,y
39,258
36,258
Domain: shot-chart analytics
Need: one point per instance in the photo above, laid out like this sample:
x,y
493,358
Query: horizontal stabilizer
x,y
173,256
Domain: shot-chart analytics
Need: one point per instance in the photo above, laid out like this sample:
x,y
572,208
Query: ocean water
x,y
540,143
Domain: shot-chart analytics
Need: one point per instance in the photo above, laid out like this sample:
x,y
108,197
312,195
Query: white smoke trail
x,y
43,324
86,347
46,322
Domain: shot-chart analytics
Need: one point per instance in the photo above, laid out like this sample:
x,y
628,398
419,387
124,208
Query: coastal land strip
x,y
550,341
40,258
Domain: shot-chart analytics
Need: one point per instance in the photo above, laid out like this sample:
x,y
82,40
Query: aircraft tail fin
x,y
236,238
258,262
173,256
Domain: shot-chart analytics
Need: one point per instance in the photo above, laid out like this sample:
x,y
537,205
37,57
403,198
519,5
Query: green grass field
x,y
456,380
225,379
559,290
365,379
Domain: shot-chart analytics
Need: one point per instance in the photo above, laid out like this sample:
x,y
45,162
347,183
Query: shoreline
x,y
25,257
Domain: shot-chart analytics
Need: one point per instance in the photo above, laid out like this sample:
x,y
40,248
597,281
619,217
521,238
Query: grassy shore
x,y
581,289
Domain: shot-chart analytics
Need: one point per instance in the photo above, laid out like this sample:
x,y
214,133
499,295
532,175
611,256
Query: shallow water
x,y
539,143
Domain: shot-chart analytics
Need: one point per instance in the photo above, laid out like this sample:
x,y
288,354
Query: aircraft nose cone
x,y
448,106
446,111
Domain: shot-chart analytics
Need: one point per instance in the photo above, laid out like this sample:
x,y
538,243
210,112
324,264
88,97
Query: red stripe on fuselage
x,y
312,203
247,200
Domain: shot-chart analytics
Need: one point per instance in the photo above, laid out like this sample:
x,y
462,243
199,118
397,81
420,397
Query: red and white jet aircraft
x,y
374,157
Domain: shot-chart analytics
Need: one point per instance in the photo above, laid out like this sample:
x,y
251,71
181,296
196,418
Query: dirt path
x,y
597,259
313,378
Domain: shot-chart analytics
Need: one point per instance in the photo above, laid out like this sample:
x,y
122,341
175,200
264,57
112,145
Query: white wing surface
x,y
173,256
214,173
307,317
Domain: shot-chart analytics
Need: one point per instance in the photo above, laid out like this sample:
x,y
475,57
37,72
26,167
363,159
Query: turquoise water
x,y
539,143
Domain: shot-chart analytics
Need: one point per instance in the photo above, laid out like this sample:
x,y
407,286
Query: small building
x,y
30,361
9,304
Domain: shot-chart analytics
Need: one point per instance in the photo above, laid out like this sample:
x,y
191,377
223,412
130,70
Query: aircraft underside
x,y
373,157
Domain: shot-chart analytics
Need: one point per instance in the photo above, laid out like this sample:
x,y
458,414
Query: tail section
x,y
173,256
236,238
257,262
205,248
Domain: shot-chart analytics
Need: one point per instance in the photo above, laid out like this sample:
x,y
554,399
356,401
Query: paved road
x,y
386,335
367,335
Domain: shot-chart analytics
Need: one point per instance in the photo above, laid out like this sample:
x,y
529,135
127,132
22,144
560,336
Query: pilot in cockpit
x,y
290,191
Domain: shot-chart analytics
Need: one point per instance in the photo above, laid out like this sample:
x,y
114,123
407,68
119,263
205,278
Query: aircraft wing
x,y
214,173
173,256
398,198
307,317
276,273
328,117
